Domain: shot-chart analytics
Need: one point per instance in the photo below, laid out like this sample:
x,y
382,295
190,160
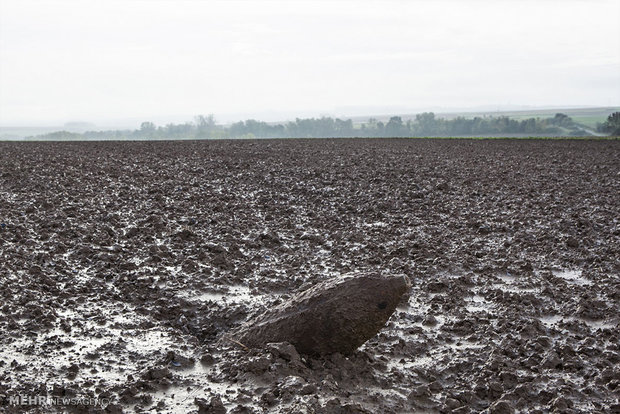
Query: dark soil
x,y
123,264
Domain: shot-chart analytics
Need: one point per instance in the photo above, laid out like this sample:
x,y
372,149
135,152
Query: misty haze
x,y
309,207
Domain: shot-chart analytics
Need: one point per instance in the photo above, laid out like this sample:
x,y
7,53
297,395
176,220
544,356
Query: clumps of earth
x,y
128,268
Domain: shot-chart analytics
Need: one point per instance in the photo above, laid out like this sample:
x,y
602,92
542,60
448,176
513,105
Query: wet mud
x,y
125,264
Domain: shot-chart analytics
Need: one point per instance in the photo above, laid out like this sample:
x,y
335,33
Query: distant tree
x,y
237,129
530,126
394,127
343,128
203,121
59,136
561,120
205,125
186,130
460,126
426,123
612,126
147,129
370,129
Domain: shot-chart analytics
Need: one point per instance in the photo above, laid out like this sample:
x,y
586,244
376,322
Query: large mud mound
x,y
123,264
337,315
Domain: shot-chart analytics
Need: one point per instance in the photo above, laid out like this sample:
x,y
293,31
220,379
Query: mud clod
x,y
213,406
337,315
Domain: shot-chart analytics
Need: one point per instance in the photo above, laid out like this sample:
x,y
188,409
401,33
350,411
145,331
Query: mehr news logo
x,y
44,400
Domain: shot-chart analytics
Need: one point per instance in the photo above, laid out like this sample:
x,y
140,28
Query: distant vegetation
x,y
423,125
612,125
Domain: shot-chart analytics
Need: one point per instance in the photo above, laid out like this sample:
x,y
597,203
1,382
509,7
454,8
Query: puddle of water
x,y
552,320
507,278
376,224
409,363
150,340
387,393
516,289
40,359
462,345
431,358
88,341
234,294
477,303
510,283
196,375
572,276
476,308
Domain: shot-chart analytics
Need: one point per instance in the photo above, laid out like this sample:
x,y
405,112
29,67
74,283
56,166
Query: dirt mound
x,y
337,315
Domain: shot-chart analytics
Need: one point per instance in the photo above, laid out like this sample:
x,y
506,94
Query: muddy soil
x,y
123,264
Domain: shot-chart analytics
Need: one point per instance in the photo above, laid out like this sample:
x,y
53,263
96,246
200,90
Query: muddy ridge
x,y
124,264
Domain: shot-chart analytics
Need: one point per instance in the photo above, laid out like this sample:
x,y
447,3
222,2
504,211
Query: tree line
x,y
423,125
611,125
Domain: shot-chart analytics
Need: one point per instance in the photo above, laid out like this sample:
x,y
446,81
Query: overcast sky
x,y
94,61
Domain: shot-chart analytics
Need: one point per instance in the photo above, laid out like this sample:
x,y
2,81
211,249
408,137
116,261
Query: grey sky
x,y
94,61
